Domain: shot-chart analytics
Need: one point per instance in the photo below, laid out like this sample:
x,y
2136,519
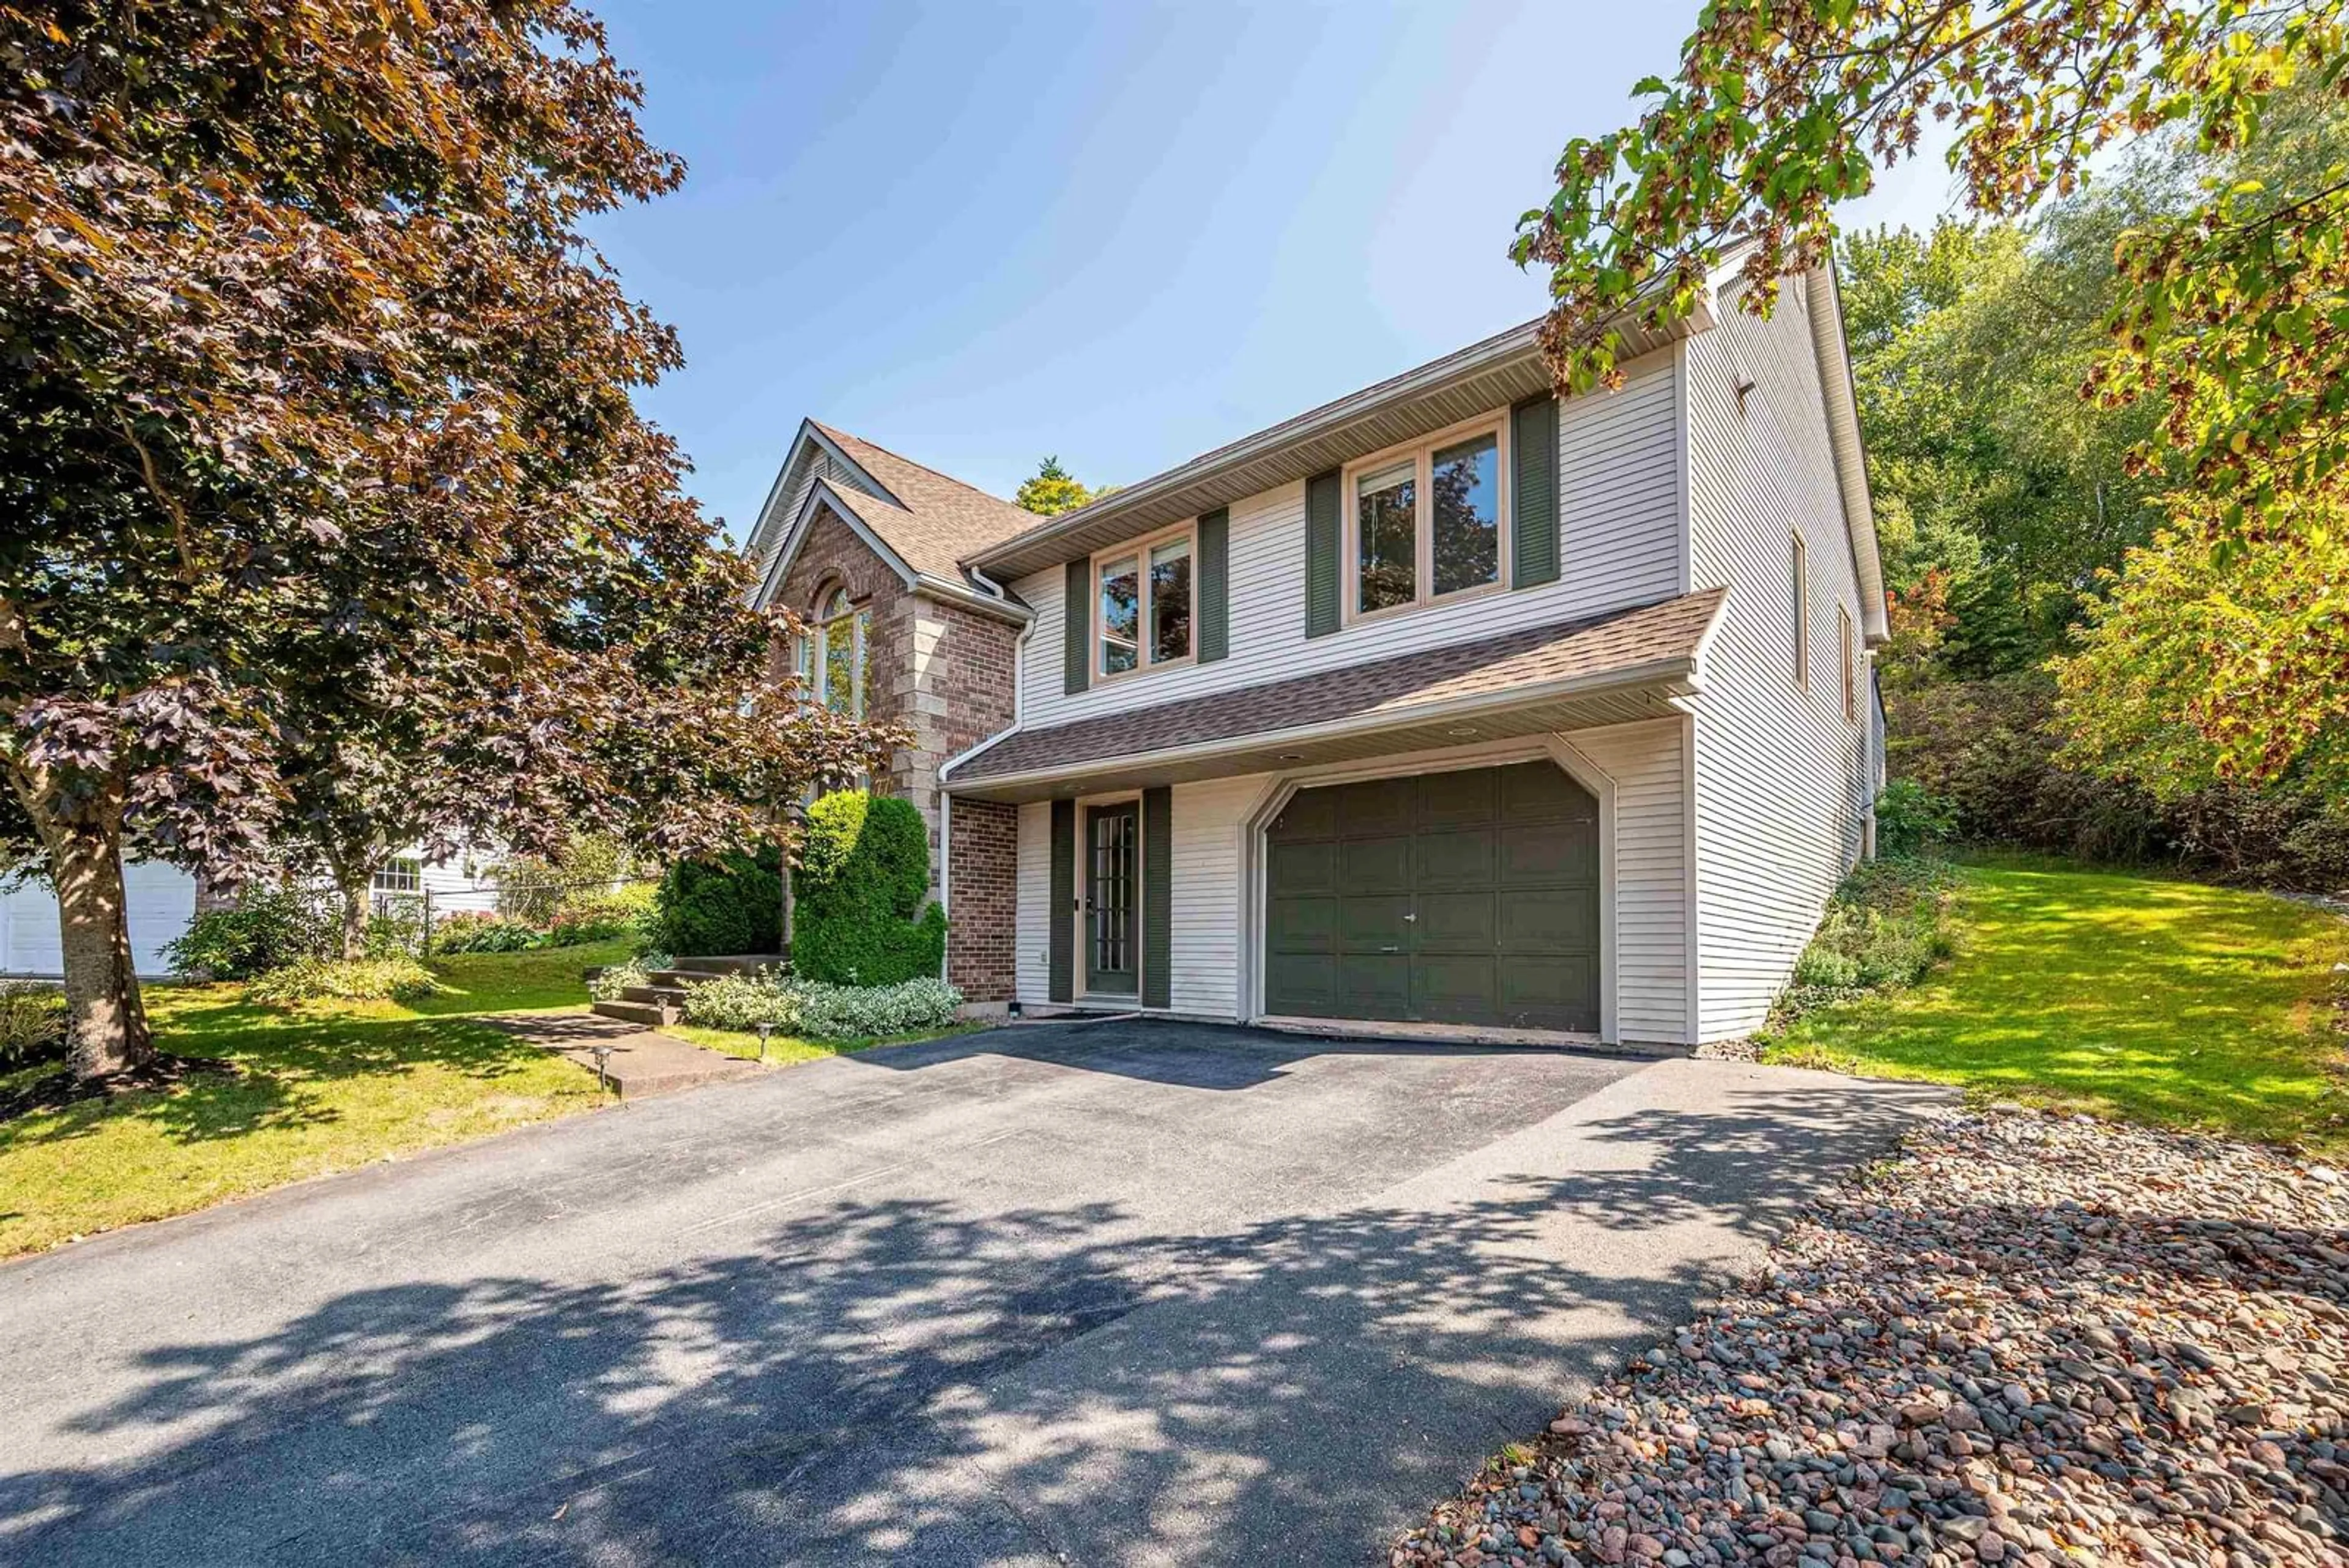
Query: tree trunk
x,y
103,1007
355,916
353,871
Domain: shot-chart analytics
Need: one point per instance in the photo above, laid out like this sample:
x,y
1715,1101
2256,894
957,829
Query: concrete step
x,y
636,1062
671,979
652,1015
665,995
731,963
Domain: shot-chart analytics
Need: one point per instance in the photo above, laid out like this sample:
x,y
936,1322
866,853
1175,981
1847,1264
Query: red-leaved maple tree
x,y
329,511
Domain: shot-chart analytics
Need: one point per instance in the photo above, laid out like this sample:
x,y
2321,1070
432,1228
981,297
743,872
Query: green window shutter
x,y
1321,546
1157,896
1214,585
1077,609
1533,488
1064,969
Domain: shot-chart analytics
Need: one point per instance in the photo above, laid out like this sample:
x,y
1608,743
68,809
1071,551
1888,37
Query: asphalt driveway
x,y
1108,1294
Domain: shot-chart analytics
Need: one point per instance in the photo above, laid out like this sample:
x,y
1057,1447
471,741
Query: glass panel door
x,y
1112,839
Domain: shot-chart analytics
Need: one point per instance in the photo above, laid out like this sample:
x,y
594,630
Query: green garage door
x,y
1456,898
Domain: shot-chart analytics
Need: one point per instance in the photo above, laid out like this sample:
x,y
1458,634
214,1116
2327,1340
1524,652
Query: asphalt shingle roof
x,y
1591,648
942,519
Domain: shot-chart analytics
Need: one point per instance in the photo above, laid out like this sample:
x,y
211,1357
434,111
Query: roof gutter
x,y
998,604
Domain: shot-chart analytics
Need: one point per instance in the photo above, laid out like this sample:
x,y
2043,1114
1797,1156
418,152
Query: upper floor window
x,y
832,657
1849,645
1146,598
1802,605
1428,521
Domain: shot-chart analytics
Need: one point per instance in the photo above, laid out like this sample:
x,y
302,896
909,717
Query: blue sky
x,y
979,233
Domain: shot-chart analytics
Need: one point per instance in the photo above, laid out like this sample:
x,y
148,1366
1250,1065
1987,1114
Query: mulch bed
x,y
58,1089
2031,1340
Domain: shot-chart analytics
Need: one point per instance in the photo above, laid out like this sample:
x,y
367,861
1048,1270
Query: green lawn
x,y
2123,995
331,1087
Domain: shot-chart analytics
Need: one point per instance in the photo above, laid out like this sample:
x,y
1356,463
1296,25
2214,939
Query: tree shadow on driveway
x,y
903,1378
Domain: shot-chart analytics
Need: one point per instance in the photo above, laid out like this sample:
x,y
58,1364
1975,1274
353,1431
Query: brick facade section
x,y
946,672
986,891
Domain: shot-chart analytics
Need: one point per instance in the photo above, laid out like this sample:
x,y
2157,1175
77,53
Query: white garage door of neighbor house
x,y
162,900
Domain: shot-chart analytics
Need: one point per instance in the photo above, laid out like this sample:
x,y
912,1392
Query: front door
x,y
1113,862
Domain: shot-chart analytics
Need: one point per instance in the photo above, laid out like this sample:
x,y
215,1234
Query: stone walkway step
x,y
703,966
637,1061
679,978
629,1010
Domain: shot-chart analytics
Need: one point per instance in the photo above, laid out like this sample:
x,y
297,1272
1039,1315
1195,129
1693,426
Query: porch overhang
x,y
1642,664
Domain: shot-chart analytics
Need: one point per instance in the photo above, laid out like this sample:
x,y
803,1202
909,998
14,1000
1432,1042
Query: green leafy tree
x,y
2226,325
1052,491
2212,661
335,523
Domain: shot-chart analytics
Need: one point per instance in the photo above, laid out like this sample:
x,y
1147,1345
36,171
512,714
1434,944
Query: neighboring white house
x,y
162,900
1453,702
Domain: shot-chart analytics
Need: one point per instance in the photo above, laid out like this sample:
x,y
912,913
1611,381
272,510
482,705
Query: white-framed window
x,y
1428,522
400,873
1849,643
1143,597
1802,591
832,656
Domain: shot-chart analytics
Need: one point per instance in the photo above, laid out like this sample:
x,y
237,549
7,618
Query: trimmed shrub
x,y
860,1011
860,914
268,929
742,1001
352,980
729,905
32,1024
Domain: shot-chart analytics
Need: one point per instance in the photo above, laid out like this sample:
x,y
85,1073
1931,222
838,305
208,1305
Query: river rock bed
x,y
2030,1340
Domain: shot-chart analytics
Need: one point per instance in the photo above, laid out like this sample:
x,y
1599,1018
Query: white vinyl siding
x,y
1206,887
160,901
1033,965
1648,764
1781,793
1620,488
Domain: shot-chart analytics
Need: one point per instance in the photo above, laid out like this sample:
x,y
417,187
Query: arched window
x,y
832,656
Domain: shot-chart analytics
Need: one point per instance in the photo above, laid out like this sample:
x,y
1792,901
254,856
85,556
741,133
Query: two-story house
x,y
1450,702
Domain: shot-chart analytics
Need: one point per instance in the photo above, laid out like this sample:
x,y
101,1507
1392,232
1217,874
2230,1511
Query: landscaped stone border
x,y
2030,1339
